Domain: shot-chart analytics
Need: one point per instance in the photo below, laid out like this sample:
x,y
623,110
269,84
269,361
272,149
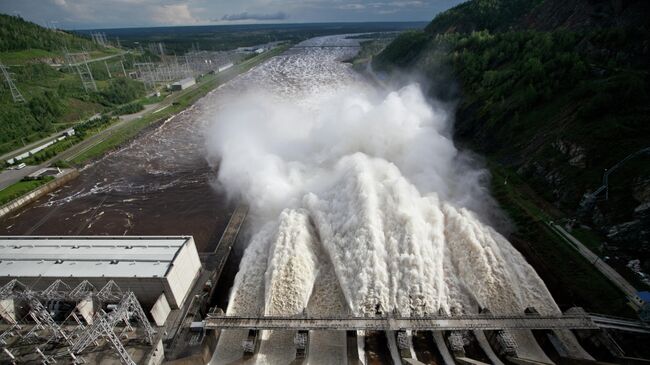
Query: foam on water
x,y
363,204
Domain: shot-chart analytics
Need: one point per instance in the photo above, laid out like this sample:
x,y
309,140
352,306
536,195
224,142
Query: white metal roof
x,y
99,256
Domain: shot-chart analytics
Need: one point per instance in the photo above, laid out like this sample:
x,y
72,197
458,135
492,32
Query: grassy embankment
x,y
21,188
181,101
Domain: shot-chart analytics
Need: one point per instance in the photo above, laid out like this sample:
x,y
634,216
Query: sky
x,y
91,14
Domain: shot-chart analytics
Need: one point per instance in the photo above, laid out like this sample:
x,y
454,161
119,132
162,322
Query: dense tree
x,y
121,91
17,34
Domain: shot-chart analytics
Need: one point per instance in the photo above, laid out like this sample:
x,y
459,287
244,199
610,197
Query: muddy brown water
x,y
158,184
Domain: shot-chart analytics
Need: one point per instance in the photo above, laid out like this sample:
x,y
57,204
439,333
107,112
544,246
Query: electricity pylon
x,y
15,94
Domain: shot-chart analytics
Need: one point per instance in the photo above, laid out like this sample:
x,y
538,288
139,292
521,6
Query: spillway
x,y
360,203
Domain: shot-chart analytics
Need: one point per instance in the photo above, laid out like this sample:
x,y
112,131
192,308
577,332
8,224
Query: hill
x,y
553,92
55,97
17,34
476,15
544,15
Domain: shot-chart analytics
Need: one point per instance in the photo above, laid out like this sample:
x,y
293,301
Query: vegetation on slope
x,y
474,15
17,34
555,96
55,96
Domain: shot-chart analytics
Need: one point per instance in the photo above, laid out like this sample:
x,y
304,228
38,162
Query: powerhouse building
x,y
160,271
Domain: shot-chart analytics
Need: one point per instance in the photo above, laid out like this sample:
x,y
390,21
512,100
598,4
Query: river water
x,y
360,203
158,184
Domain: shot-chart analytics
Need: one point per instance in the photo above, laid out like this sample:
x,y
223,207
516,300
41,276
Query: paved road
x,y
10,177
147,109
101,58
602,266
31,145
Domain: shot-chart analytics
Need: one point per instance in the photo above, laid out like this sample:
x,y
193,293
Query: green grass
x,y
153,99
369,48
589,238
27,55
571,278
181,101
21,188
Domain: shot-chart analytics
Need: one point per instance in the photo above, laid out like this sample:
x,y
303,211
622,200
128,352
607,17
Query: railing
x,y
440,323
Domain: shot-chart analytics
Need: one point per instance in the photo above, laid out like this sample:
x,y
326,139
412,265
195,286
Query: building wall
x,y
175,285
160,310
181,275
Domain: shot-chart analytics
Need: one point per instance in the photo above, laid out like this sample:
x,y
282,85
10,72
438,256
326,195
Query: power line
x,y
80,62
15,93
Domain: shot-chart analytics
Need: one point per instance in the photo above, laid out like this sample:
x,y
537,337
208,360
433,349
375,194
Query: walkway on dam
x,y
467,322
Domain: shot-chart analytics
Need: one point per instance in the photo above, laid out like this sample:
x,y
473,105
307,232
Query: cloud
x,y
90,14
352,7
173,15
252,16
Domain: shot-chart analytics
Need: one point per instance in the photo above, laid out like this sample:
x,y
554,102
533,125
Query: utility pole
x,y
15,94
123,70
107,70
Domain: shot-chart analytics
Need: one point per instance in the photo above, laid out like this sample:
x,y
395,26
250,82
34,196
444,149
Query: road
x,y
10,177
34,144
602,266
100,58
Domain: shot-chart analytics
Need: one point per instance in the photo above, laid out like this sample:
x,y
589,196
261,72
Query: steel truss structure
x,y
79,61
174,68
15,94
51,338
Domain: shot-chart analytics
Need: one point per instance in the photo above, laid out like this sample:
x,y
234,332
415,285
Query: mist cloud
x,y
360,203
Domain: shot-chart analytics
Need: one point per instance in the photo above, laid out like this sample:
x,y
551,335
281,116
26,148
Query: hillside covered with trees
x,y
554,92
55,97
17,34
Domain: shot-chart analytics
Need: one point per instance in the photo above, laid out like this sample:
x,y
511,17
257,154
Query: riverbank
x,y
172,106
100,143
60,180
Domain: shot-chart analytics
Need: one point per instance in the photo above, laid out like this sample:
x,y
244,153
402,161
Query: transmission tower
x,y
146,73
99,38
15,94
108,70
80,62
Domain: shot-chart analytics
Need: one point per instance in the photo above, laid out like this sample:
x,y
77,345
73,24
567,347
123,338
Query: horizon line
x,y
218,25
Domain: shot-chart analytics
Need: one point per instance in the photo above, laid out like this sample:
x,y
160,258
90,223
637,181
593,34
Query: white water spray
x,y
359,195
